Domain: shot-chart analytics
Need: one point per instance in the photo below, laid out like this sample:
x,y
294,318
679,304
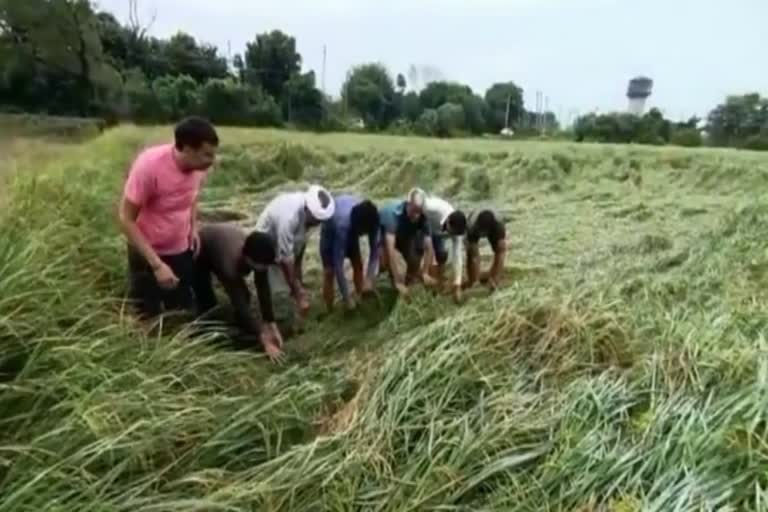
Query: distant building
x,y
638,91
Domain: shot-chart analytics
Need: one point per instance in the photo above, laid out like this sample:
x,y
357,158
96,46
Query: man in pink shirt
x,y
158,216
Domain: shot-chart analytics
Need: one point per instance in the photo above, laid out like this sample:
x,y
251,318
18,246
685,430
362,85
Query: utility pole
x,y
323,76
537,123
325,105
544,117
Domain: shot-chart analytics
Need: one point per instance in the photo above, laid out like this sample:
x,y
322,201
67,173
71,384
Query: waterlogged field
x,y
623,366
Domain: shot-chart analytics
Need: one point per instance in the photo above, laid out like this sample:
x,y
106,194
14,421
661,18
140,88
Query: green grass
x,y
623,366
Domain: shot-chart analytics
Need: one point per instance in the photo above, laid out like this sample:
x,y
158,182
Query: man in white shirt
x,y
286,219
446,222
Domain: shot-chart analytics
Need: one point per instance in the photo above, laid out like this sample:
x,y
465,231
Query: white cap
x,y
315,204
417,196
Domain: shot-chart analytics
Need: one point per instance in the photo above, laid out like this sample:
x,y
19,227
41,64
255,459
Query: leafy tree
x,y
496,98
142,103
69,50
410,107
303,102
450,119
475,114
270,61
401,83
436,94
370,91
738,119
428,123
687,137
239,65
186,57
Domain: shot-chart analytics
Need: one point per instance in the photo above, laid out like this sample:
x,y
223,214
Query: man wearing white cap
x,y
286,219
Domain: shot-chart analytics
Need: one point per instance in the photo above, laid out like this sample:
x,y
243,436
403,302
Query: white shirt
x,y
284,220
437,211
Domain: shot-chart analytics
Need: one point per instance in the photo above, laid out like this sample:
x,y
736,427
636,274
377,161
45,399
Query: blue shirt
x,y
394,218
335,238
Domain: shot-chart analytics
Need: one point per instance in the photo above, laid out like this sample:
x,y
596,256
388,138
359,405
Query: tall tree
x,y
302,100
370,91
186,57
70,48
270,61
737,119
496,97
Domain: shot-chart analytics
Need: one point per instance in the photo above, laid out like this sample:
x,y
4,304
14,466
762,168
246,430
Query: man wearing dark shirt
x,y
230,255
485,222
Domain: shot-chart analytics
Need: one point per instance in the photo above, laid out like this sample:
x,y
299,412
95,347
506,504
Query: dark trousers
x,y
410,244
149,297
202,285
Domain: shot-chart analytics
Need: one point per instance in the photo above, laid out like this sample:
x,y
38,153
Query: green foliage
x,y
229,102
739,119
270,62
369,90
497,97
302,101
687,137
428,123
411,108
450,119
757,142
651,128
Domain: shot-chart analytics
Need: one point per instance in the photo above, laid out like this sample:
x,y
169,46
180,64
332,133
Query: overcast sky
x,y
580,53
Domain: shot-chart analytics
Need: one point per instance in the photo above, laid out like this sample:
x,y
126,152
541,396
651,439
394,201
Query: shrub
x,y
688,137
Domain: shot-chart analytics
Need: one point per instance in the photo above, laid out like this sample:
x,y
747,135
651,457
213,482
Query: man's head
x,y
486,223
319,205
196,142
414,204
456,223
364,218
259,251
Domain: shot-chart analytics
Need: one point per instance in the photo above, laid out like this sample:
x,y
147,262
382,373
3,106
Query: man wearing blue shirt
x,y
405,229
340,239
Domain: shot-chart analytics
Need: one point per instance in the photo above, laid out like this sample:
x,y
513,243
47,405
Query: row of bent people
x,y
172,260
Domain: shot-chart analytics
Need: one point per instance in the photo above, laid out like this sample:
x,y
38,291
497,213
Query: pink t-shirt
x,y
165,195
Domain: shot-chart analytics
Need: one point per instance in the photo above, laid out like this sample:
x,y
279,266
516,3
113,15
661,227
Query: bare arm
x,y
473,263
289,273
458,253
128,214
429,252
389,246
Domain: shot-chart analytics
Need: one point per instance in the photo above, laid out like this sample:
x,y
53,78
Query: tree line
x,y
740,122
65,57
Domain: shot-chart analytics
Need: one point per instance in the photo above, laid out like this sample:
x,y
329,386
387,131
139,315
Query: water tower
x,y
638,91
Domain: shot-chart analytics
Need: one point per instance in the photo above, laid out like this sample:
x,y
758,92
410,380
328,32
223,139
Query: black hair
x,y
324,198
457,223
486,223
194,131
364,217
260,248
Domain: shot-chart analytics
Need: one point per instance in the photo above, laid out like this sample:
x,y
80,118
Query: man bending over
x,y
230,255
485,223
287,219
340,239
446,222
405,230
